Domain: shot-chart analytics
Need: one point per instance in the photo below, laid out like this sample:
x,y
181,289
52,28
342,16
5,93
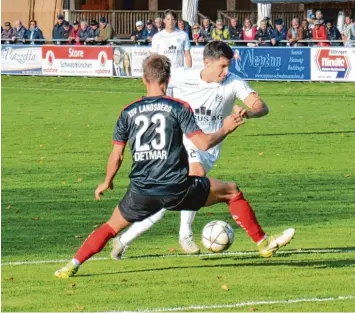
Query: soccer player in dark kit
x,y
154,126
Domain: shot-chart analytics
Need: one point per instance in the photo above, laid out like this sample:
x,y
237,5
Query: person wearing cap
x,y
19,33
93,33
66,33
83,33
6,34
139,33
295,33
311,20
319,33
105,31
74,33
58,29
279,33
150,31
34,33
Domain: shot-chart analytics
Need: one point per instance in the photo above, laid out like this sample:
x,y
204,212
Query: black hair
x,y
216,50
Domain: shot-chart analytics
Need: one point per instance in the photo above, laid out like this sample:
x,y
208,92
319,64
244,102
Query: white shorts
x,y
206,158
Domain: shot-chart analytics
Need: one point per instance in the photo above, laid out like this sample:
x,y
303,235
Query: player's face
x,y
170,22
217,69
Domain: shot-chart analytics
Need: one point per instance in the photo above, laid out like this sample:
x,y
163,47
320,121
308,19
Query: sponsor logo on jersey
x,y
204,116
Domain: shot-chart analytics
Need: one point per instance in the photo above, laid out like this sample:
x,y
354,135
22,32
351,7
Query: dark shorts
x,y
136,207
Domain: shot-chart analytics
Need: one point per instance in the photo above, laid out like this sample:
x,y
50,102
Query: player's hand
x,y
232,122
101,189
240,111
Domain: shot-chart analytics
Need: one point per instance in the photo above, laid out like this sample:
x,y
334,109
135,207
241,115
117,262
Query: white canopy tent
x,y
189,11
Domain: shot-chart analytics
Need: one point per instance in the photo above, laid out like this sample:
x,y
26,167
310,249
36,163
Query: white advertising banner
x,y
333,64
138,56
77,61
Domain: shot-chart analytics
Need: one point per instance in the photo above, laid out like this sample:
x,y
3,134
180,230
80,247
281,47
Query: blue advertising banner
x,y
21,60
272,63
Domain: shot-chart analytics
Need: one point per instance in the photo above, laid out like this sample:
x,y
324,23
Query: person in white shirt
x,y
173,43
211,93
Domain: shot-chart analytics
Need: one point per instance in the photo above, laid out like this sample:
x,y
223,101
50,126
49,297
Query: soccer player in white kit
x,y
211,93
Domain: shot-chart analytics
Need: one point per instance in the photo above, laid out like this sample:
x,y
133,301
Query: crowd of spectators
x,y
246,33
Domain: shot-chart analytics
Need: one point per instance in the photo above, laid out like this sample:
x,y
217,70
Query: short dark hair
x,y
156,68
171,12
217,49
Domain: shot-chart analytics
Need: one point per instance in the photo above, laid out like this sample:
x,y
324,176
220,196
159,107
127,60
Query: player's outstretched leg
x,y
244,216
94,243
121,243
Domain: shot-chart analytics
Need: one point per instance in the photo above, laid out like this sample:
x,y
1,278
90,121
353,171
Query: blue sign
x,y
272,63
21,59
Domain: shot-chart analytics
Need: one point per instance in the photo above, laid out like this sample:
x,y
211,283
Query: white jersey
x,y
173,45
211,103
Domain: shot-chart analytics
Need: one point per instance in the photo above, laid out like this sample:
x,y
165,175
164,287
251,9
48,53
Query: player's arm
x,y
206,141
187,46
120,137
256,107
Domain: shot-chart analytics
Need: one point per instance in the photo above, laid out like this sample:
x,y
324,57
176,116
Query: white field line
x,y
75,90
241,304
246,253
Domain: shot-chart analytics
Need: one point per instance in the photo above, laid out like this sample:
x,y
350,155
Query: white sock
x,y
186,220
138,228
75,262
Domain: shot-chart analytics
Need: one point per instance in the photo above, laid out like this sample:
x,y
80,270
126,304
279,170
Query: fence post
x,y
66,15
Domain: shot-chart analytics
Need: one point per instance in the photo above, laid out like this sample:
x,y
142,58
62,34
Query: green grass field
x,y
296,167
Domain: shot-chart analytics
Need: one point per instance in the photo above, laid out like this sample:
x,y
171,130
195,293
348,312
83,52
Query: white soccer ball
x,y
217,236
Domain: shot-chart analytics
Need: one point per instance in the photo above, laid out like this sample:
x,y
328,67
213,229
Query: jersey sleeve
x,y
176,77
187,43
155,44
241,88
120,134
187,121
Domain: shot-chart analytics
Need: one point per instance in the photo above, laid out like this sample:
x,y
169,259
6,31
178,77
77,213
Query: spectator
x,y
295,33
333,33
196,34
126,65
34,33
105,32
310,21
66,33
7,33
307,32
220,32
263,34
158,23
74,33
139,33
249,32
83,33
117,67
235,30
150,30
183,26
206,30
279,33
346,31
93,33
319,16
268,24
58,28
319,33
19,33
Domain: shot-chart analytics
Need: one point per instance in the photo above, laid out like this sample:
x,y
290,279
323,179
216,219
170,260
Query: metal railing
x,y
133,42
253,15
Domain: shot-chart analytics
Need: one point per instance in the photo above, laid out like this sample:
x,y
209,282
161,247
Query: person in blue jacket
x,y
279,33
58,28
34,33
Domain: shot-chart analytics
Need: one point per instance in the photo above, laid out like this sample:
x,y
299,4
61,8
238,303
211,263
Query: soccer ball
x,y
217,236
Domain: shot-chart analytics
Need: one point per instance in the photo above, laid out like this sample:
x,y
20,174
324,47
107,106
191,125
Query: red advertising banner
x,y
77,61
